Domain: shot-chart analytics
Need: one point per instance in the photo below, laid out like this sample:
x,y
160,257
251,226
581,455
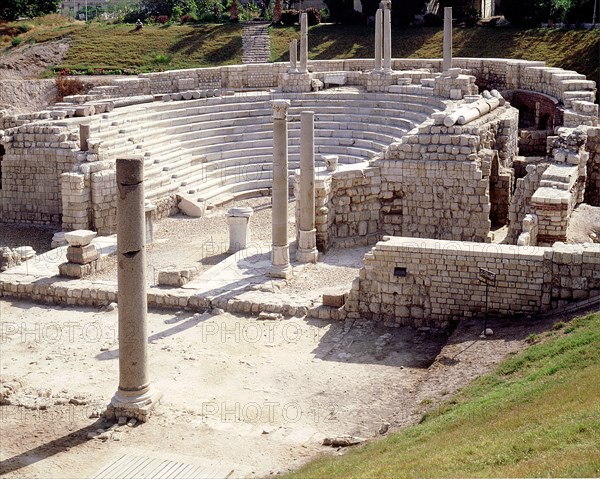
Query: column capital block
x,y
280,109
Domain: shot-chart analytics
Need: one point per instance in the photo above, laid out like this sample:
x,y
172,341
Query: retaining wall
x,y
430,282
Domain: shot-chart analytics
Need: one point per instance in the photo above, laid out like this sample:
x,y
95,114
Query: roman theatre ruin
x,y
446,167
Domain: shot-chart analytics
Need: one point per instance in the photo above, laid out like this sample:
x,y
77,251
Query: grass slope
x,y
537,415
154,48
577,50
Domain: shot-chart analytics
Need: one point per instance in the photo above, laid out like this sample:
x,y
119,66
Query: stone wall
x,y
592,187
429,282
26,95
520,204
436,183
31,173
355,203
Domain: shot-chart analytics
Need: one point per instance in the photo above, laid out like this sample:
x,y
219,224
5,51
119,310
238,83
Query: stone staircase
x,y
256,43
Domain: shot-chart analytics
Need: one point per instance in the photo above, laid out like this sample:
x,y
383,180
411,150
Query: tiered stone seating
x,y
220,148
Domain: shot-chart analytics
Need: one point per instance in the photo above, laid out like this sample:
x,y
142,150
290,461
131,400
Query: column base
x,y
138,405
280,262
307,247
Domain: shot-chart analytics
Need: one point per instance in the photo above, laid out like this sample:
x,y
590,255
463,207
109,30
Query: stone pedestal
x,y
447,58
238,220
307,234
149,208
84,136
331,162
280,256
80,254
135,396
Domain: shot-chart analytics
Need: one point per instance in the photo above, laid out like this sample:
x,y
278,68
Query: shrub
x,y
162,19
24,27
186,19
313,16
68,86
289,17
16,41
162,59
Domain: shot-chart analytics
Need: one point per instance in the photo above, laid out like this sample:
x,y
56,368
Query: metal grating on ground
x,y
138,467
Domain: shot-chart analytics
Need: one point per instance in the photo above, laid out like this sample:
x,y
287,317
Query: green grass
x,y
118,47
577,50
155,47
537,415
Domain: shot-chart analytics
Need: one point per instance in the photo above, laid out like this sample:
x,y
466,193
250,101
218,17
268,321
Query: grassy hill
x,y
537,415
100,46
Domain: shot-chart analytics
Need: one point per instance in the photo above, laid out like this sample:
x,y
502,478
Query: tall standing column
x,y
387,35
447,59
303,43
280,255
378,40
307,234
293,56
135,397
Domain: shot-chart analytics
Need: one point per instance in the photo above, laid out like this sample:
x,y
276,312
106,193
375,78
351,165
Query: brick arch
x,y
537,111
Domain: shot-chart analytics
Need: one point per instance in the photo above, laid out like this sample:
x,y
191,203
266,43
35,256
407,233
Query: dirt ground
x,y
256,396
585,222
29,61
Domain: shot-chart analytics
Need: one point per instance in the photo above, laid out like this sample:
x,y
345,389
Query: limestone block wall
x,y
582,113
429,282
520,204
533,142
104,200
561,186
75,193
433,181
575,274
592,186
355,203
31,172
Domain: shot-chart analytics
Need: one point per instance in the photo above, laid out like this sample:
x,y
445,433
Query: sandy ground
x,y
256,396
585,222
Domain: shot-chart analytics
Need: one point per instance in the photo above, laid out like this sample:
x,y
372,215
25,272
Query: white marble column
x,y
303,43
447,59
307,234
280,254
135,397
387,36
378,40
293,56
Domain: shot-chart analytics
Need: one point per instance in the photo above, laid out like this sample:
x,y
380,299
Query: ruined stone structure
x,y
448,150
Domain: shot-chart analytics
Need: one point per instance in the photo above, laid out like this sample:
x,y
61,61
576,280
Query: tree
x,y
14,9
277,11
233,11
156,8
